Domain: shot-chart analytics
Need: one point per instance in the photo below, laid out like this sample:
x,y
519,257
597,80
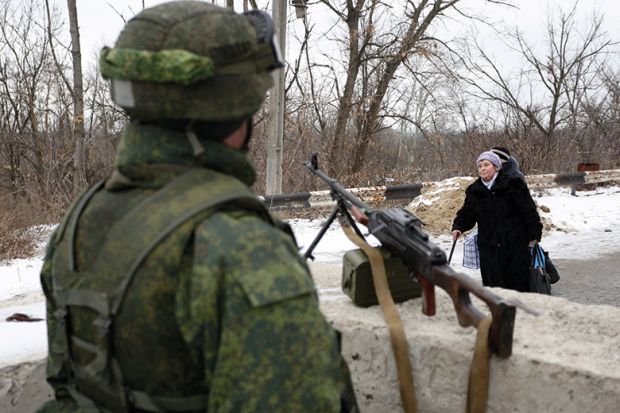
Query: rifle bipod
x,y
339,208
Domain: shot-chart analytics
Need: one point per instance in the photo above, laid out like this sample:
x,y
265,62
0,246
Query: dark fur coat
x,y
507,220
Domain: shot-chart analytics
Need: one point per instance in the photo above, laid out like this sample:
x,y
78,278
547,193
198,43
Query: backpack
x,y
180,205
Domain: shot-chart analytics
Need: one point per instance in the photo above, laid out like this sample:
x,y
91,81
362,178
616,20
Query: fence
x,y
377,194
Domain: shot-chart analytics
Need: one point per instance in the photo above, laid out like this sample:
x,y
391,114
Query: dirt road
x,y
590,282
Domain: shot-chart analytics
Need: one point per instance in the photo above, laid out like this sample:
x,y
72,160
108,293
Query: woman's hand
x,y
532,243
456,234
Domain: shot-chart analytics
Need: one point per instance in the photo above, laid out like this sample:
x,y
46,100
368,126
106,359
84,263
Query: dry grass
x,y
16,243
21,232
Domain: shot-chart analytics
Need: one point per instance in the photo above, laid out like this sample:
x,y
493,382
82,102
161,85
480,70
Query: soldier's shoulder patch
x,y
261,258
275,282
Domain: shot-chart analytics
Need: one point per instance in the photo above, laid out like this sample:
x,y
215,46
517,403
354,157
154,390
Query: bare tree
x,y
546,93
378,50
21,75
77,92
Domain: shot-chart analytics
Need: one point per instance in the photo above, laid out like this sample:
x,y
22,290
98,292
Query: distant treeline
x,y
400,106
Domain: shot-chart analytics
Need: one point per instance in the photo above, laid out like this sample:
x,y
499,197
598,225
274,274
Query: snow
x,y
591,219
588,226
18,277
23,341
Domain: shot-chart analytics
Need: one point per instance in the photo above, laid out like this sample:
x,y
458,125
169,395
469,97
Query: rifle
x,y
400,233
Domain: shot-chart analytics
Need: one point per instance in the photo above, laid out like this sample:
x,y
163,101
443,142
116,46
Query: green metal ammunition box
x,y
357,280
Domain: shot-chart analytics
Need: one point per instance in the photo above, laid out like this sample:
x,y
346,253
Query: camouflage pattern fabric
x,y
226,308
227,39
175,66
165,66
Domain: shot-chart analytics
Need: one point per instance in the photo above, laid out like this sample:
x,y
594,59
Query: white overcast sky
x,y
100,22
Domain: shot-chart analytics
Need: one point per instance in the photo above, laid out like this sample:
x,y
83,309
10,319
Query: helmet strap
x,y
197,147
248,135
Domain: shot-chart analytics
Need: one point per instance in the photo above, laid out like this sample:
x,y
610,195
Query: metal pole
x,y
451,251
275,138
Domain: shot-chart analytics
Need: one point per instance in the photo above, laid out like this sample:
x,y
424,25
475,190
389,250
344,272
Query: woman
x,y
508,224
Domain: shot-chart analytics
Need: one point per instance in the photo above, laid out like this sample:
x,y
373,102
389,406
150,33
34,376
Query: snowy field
x,y
589,227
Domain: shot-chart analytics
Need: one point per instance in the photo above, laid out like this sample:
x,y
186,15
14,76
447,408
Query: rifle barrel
x,y
338,191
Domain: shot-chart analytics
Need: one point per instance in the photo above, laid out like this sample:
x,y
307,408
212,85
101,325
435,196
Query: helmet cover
x,y
192,60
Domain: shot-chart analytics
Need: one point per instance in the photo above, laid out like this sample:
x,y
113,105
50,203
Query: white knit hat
x,y
491,157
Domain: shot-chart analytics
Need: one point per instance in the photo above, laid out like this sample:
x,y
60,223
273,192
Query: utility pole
x,y
276,107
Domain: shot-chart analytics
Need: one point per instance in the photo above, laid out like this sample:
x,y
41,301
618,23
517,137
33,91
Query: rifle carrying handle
x,y
428,295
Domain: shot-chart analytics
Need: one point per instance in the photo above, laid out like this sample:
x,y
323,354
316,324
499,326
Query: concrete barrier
x,y
573,178
324,198
567,359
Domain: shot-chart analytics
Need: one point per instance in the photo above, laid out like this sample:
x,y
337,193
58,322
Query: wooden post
x,y
273,184
79,133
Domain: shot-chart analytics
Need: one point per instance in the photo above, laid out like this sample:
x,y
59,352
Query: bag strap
x,y
73,217
398,338
478,386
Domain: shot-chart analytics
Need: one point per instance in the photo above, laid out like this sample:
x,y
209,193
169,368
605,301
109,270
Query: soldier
x,y
169,286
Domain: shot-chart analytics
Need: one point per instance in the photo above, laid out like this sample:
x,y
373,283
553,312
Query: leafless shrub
x,y
19,238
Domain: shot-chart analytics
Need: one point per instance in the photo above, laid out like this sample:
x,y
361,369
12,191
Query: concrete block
x,y
567,359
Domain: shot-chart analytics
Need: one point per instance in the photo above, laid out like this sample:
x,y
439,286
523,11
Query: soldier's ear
x,y
239,138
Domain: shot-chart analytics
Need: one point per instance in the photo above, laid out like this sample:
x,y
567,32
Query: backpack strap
x,y
70,224
59,345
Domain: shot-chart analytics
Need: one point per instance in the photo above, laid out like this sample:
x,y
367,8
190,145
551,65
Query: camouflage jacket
x,y
223,308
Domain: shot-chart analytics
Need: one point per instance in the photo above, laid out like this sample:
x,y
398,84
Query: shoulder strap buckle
x,y
127,399
103,325
61,316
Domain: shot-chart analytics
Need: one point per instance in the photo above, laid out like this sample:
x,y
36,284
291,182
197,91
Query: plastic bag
x,y
471,255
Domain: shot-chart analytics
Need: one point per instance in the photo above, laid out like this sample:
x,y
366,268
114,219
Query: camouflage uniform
x,y
160,299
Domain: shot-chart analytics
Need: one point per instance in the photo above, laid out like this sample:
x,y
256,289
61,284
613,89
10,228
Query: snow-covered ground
x,y
20,292
589,226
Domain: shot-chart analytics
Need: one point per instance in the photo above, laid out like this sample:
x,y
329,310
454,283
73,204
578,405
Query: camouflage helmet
x,y
192,60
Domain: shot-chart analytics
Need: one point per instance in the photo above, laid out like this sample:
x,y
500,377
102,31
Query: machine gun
x,y
400,233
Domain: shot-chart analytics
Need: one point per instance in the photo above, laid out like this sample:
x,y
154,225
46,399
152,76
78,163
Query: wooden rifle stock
x,y
428,295
458,286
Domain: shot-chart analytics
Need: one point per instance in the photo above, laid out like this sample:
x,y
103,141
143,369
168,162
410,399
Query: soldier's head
x,y
190,64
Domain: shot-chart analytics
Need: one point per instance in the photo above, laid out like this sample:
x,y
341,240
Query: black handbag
x,y
539,278
552,271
